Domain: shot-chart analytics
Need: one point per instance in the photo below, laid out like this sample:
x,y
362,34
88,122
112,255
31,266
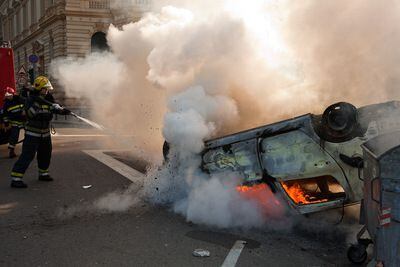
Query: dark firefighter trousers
x,y
14,135
31,145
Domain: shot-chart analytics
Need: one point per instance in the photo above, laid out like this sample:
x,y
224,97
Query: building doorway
x,y
99,42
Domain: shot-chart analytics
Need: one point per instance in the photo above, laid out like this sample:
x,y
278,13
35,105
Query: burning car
x,y
312,161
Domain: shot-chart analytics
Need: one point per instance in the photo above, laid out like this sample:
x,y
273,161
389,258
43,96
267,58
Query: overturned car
x,y
313,161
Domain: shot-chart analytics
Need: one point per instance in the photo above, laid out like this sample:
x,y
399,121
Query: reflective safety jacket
x,y
39,115
13,112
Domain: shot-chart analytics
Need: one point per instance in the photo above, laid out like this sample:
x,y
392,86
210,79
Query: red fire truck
x,y
7,79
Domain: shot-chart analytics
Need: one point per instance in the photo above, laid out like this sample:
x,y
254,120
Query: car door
x,y
308,177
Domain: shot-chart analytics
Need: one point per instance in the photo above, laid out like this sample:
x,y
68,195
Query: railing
x,y
100,4
129,4
142,2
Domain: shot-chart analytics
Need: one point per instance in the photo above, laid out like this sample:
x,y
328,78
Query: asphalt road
x,y
38,227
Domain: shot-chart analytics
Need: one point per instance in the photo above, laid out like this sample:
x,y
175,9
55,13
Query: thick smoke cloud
x,y
187,71
195,116
214,200
348,49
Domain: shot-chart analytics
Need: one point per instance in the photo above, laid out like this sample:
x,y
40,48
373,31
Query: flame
x,y
267,201
297,194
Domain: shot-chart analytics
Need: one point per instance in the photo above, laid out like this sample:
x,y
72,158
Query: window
x,y
14,26
18,59
6,29
19,19
238,157
25,17
41,66
10,29
42,8
2,30
33,11
25,57
51,47
313,190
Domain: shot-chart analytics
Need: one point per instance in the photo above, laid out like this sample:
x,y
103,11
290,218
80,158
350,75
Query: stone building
x,y
48,29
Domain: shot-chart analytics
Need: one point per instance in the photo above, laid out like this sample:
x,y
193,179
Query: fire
x,y
299,196
253,188
296,193
267,201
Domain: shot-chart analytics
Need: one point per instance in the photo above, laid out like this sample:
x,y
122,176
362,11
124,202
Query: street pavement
x,y
50,224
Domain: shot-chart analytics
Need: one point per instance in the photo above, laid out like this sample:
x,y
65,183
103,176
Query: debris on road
x,y
199,252
87,186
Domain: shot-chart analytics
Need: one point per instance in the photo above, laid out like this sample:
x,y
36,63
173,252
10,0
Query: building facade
x,y
42,30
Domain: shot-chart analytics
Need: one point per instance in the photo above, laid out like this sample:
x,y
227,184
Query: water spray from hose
x,y
87,121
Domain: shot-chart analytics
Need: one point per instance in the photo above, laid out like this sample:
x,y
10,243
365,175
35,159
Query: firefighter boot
x,y
18,184
45,178
11,153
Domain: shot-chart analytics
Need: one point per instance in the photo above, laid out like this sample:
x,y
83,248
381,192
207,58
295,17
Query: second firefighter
x,y
13,117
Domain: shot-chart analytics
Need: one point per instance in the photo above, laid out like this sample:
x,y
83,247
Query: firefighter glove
x,y
57,107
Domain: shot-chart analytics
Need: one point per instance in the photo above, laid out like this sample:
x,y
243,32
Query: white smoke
x,y
195,116
118,201
214,200
90,77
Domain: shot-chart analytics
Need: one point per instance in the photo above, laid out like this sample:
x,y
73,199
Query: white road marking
x,y
137,177
234,253
123,169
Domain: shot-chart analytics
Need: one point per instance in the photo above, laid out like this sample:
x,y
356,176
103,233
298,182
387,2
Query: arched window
x,y
99,42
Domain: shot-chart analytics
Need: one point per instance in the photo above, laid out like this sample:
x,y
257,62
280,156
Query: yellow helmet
x,y
42,82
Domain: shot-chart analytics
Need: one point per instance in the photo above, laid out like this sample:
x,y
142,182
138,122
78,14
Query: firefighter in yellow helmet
x,y
39,108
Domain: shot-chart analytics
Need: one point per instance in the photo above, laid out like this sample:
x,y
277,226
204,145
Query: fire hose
x,y
87,121
91,123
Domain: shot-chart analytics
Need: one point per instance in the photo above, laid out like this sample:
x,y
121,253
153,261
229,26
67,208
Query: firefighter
x,y
13,117
39,109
